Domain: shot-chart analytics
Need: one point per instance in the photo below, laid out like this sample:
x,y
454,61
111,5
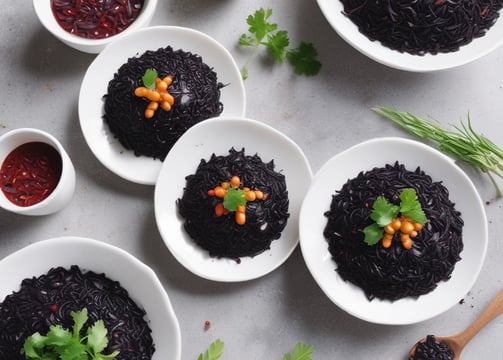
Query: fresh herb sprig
x,y
300,352
383,213
463,143
60,343
262,32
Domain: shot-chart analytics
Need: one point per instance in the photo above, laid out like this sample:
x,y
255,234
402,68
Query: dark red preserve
x,y
30,173
96,19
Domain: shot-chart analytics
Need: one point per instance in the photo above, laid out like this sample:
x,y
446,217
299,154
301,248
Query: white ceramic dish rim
x,y
37,258
478,48
44,12
365,156
107,149
200,142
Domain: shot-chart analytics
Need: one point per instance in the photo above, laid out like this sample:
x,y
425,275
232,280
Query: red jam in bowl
x,y
30,173
96,19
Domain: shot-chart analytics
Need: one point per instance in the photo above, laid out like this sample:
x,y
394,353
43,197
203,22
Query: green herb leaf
x,y
262,32
411,207
464,143
304,59
373,234
62,344
300,352
383,212
149,78
234,198
214,351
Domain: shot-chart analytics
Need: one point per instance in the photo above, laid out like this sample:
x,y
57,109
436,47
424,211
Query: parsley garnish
x,y
383,213
149,78
300,352
261,32
234,198
60,343
214,351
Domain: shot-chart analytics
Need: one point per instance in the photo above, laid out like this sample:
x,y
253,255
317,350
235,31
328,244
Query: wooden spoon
x,y
458,342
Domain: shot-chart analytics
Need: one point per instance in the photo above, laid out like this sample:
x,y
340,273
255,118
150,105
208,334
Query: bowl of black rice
x,y
204,82
418,36
215,245
43,283
393,284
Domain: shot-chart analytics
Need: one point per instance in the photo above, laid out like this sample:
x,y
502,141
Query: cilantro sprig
x,y
149,78
262,32
300,352
60,343
383,213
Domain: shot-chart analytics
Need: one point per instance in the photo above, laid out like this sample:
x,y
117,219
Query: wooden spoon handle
x,y
493,310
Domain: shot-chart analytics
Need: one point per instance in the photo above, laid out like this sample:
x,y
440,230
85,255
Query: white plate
x,y
106,148
137,278
332,9
377,153
217,136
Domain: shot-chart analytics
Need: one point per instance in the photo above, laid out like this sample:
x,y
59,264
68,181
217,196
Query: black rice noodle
x,y
431,349
222,236
393,273
423,26
48,299
195,89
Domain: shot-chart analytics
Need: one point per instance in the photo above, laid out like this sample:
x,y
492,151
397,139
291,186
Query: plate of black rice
x,y
205,82
418,36
210,153
393,285
47,280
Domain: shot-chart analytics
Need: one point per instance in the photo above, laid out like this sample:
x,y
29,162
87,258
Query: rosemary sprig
x,y
463,143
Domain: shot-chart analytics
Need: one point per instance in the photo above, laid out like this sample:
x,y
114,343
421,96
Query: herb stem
x,y
464,143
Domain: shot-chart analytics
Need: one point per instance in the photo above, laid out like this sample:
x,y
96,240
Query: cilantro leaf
x,y
373,234
149,78
304,59
33,344
214,351
259,26
79,319
97,337
234,198
411,207
262,32
383,212
277,44
57,336
300,352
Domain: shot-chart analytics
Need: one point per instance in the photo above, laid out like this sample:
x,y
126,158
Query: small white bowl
x,y
138,279
333,11
377,153
200,142
44,12
63,192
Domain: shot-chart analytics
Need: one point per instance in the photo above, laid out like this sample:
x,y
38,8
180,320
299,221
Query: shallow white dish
x,y
106,148
200,142
137,278
377,153
332,10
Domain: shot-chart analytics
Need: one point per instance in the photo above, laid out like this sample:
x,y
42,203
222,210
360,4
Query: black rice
x,y
195,88
222,236
431,349
48,300
393,273
423,26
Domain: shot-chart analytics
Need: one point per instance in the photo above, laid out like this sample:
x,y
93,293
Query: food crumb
x,y
207,325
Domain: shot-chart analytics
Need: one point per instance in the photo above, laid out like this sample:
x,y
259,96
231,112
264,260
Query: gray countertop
x,y
259,319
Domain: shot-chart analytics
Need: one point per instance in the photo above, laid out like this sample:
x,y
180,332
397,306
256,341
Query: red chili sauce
x,y
30,173
96,19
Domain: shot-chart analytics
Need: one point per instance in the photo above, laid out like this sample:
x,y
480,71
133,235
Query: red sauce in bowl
x,y
96,19
30,173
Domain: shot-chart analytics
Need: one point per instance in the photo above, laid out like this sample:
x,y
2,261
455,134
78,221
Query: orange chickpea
x,y
240,218
220,192
235,181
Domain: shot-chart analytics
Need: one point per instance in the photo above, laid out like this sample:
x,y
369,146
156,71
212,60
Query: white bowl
x,y
137,278
200,142
45,15
61,195
377,153
332,10
108,150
